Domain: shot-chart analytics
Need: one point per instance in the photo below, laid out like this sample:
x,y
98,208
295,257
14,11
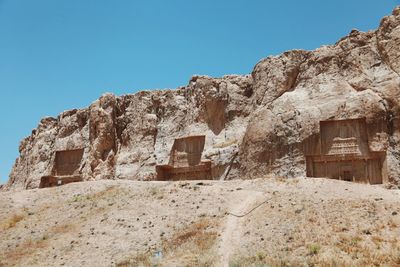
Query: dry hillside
x,y
297,222
249,129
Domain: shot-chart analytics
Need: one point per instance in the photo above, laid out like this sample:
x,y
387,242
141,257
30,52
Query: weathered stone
x,y
185,161
257,124
344,153
66,169
350,79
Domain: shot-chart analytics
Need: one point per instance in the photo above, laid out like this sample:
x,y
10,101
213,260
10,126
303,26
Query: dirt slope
x,y
128,223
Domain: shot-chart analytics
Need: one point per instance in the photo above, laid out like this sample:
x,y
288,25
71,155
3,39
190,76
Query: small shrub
x,y
153,191
314,249
260,255
355,240
156,192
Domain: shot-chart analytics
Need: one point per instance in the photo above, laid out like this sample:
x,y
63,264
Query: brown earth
x,y
296,222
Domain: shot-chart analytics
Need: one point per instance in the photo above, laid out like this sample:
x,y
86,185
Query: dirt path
x,y
230,236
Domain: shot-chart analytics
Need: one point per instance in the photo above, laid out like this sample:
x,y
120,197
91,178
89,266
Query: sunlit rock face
x,y
258,124
356,77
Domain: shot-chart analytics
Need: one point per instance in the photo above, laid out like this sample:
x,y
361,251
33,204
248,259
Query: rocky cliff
x,y
255,124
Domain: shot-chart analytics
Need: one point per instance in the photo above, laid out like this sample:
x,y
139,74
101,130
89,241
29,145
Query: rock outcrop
x,y
356,77
255,124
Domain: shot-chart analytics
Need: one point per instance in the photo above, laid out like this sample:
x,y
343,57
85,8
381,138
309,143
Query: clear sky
x,y
59,55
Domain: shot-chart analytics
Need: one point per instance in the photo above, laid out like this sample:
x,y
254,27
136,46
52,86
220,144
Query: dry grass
x,y
140,260
12,221
109,191
31,246
191,246
25,249
156,192
351,251
295,228
392,224
196,233
62,229
260,260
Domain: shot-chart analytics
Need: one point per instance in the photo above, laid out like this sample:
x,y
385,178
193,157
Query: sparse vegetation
x,y
139,260
109,191
156,192
32,245
365,257
25,249
185,227
260,255
194,243
265,261
314,249
191,246
12,221
354,241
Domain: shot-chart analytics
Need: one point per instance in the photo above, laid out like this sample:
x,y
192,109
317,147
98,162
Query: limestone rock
x,y
353,78
254,125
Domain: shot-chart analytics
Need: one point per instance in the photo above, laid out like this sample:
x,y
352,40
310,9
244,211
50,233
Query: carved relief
x,y
342,146
345,154
66,169
185,161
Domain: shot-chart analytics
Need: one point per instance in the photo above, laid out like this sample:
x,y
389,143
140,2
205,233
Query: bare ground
x,y
233,229
300,222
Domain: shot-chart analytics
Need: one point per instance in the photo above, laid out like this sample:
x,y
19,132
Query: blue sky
x,y
59,55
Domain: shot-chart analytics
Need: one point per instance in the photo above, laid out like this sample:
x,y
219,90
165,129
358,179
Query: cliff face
x,y
254,125
125,137
356,77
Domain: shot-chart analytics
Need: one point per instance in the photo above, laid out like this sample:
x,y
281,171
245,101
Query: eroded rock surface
x,y
255,124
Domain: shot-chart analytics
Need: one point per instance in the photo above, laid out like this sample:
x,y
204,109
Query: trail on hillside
x,y
231,233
